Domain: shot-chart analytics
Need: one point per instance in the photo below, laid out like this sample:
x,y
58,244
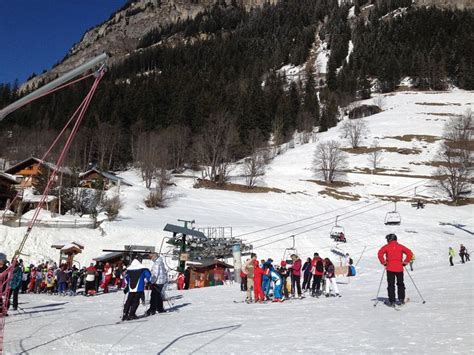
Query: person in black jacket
x,y
187,278
307,275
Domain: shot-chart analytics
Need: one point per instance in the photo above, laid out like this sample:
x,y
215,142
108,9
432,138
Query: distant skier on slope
x,y
451,254
391,256
136,276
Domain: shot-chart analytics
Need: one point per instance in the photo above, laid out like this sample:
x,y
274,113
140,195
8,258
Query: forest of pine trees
x,y
234,73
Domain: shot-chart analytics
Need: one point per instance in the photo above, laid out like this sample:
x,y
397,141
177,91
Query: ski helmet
x,y
391,237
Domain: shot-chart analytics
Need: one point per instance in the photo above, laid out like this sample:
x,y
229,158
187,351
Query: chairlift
x,y
290,251
393,218
338,233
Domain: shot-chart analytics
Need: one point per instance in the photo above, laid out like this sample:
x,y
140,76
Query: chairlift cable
x,y
326,212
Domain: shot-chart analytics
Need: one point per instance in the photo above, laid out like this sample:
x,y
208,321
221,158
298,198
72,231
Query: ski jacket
x,y
159,275
317,266
330,271
274,275
258,272
136,276
17,278
452,253
91,272
296,269
306,267
391,255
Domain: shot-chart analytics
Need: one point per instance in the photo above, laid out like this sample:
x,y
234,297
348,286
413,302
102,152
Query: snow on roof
x,y
37,198
108,175
61,244
32,160
8,177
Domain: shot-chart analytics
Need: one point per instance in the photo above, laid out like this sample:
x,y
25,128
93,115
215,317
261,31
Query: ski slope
x,y
208,321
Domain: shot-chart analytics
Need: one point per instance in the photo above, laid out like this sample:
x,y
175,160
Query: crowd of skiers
x,y
260,277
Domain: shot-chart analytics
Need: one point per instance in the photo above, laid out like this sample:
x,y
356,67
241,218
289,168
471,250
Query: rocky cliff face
x,y
121,34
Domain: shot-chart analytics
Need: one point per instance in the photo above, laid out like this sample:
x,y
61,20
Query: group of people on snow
x,y
259,277
463,254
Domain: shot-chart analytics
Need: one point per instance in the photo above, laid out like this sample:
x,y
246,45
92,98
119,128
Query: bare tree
x,y
375,155
354,131
254,166
158,196
215,146
151,154
106,137
329,161
380,101
454,173
178,142
305,126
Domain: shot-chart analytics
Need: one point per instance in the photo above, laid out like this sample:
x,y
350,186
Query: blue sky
x,y
35,34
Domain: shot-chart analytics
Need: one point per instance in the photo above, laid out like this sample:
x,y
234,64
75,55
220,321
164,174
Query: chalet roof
x,y
62,243
109,256
33,160
7,177
107,175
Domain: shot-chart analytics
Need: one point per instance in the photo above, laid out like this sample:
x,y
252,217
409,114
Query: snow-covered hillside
x,y
208,321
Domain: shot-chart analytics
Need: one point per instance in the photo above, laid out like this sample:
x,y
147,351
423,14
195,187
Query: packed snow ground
x,y
444,324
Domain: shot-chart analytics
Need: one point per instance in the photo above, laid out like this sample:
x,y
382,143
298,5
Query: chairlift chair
x,y
393,218
338,233
290,251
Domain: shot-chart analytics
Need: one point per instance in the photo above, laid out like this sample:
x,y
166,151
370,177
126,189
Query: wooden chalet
x,y
26,170
97,178
207,273
7,189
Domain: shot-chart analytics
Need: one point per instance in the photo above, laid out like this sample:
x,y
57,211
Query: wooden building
x,y
207,273
26,171
7,189
96,178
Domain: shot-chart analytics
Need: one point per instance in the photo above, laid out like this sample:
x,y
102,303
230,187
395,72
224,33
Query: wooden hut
x,y
207,273
67,251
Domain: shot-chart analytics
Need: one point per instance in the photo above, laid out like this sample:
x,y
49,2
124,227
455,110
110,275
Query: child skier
x,y
277,284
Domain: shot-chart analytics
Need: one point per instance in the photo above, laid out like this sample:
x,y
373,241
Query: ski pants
x,y
250,288
462,257
156,299
243,284
316,283
277,289
105,284
62,287
307,281
451,261
258,292
391,276
331,282
15,292
90,286
266,285
295,281
131,305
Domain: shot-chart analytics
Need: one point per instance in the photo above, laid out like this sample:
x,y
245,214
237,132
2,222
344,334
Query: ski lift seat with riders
x,y
338,233
393,218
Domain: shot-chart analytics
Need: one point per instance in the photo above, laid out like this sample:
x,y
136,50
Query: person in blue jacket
x,y
277,284
266,281
135,277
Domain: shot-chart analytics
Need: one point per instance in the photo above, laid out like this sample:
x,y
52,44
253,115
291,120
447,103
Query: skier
x,y
248,270
296,275
307,275
284,273
329,273
266,281
50,282
451,254
187,278
118,276
243,281
277,284
391,256
91,274
107,277
15,283
25,279
159,277
258,272
463,253
180,281
73,280
317,268
136,276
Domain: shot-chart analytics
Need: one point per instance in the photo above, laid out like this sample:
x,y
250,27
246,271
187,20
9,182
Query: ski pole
x,y
380,285
414,284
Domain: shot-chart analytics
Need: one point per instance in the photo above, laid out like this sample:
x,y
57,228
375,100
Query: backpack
x,y
352,270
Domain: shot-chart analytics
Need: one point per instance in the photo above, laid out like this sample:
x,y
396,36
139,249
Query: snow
x,y
322,58
208,321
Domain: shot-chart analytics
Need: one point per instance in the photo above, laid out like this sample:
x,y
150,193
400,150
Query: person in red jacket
x,y
391,256
180,281
317,269
257,281
107,278
296,275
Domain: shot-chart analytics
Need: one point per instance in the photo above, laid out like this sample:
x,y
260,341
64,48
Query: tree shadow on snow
x,y
229,329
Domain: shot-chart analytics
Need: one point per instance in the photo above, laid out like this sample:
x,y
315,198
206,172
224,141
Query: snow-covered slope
x,y
209,322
